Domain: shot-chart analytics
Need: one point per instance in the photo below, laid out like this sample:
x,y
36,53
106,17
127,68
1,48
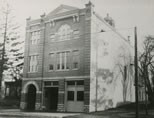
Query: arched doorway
x,y
31,97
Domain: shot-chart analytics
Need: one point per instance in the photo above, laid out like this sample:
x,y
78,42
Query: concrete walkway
x,y
115,113
18,113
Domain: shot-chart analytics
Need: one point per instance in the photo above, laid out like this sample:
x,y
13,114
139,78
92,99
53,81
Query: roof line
x,y
112,28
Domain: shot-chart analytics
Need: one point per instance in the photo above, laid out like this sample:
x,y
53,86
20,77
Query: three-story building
x,y
62,60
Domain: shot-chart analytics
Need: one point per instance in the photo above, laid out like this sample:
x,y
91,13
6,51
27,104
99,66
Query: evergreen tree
x,y
11,46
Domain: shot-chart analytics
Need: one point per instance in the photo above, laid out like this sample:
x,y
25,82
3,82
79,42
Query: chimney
x,y
109,20
42,16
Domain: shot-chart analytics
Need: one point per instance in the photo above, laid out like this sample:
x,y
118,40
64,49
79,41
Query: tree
x,y
124,66
146,65
11,47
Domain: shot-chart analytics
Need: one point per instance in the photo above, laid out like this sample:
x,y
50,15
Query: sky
x,y
126,13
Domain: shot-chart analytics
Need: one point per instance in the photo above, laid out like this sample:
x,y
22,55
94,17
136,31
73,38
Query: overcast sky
x,y
126,13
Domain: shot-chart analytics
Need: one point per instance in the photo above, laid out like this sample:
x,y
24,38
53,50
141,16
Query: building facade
x,y
66,64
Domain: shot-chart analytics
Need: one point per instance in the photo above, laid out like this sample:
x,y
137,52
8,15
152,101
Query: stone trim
x,y
62,17
38,106
55,78
86,108
61,92
24,89
23,105
60,108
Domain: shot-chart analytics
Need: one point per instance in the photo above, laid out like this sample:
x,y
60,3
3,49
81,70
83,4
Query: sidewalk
x,y
18,113
114,113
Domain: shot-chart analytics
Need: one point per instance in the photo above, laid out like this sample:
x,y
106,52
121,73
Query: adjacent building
x,y
75,61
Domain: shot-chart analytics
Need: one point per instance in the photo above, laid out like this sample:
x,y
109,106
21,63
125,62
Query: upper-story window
x,y
51,61
75,59
64,32
33,63
35,37
63,60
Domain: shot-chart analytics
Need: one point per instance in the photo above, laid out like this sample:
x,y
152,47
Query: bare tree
x,y
125,69
146,65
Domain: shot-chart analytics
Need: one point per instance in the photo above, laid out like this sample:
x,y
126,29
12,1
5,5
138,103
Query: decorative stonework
x,y
86,108
61,108
52,23
76,18
23,105
38,106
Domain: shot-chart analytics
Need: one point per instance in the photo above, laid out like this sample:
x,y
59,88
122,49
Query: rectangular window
x,y
55,83
33,63
47,83
58,61
80,82
80,95
35,37
67,60
52,60
63,60
70,95
75,59
71,83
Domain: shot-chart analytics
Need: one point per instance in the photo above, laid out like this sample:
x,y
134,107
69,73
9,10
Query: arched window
x,y
64,32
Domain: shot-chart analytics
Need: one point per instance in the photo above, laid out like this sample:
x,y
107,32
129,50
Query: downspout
x,y
42,28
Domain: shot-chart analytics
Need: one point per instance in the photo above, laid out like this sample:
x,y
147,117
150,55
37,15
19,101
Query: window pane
x,y
67,60
71,83
80,82
51,63
70,95
80,95
63,60
75,59
55,83
47,83
58,61
51,67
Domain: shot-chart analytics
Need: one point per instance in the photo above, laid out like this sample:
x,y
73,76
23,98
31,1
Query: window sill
x,y
33,72
75,69
63,70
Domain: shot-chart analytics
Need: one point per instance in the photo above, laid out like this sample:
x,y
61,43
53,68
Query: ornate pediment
x,y
62,9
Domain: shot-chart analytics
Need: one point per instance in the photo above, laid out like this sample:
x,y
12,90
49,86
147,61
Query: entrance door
x,y
31,97
51,98
75,98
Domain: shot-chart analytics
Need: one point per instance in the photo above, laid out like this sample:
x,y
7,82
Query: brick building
x,y
61,69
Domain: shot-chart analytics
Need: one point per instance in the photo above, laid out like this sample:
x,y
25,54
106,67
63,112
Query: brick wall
x,y
61,96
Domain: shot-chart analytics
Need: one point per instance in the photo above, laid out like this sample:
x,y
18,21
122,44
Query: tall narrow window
x,y
33,63
63,60
58,61
51,61
35,37
75,59
67,60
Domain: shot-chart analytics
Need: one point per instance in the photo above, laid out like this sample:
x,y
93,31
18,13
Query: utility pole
x,y
136,74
